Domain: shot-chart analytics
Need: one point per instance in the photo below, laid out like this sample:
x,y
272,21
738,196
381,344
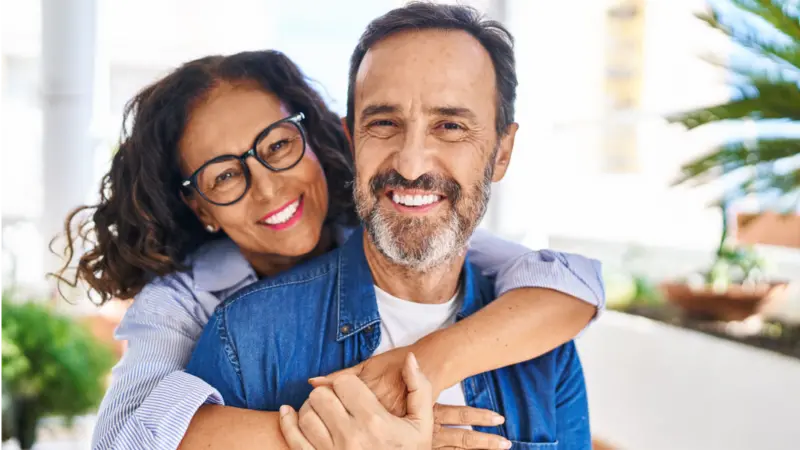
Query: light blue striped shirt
x,y
151,400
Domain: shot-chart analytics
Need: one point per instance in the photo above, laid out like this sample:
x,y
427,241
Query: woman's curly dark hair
x,y
141,227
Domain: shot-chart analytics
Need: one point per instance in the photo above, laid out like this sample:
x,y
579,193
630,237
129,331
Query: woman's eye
x,y
221,178
278,145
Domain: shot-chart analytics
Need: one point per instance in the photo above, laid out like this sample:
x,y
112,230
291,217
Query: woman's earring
x,y
211,228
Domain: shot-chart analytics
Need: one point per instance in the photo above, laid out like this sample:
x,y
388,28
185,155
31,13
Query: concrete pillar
x,y
68,58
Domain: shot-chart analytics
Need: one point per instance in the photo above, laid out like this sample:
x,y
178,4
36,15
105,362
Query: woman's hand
x,y
383,375
347,415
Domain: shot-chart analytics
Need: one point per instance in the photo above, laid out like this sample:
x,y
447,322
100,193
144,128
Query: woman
x,y
188,215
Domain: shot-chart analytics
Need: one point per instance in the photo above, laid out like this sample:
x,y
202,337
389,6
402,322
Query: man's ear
x,y
347,134
503,157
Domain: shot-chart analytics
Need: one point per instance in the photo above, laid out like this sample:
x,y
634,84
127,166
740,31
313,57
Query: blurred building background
x,y
594,163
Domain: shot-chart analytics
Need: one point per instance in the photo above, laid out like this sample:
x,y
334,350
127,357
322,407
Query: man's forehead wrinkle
x,y
424,70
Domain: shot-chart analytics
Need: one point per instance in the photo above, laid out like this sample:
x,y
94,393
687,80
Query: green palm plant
x,y
768,91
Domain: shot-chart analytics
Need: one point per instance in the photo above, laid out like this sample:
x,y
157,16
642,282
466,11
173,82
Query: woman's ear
x,y
200,210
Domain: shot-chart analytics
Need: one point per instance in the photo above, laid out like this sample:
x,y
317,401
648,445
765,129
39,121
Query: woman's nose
x,y
264,183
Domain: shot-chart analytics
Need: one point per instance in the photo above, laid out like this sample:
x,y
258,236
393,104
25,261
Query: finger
x,y
465,415
314,428
419,403
357,398
468,439
332,412
291,430
329,379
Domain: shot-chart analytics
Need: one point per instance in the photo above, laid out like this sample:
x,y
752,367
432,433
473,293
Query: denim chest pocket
x,y
519,445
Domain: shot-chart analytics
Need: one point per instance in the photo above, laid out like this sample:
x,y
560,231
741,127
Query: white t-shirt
x,y
404,322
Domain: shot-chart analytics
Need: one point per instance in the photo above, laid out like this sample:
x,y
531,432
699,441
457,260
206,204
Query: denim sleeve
x,y
215,361
515,266
572,408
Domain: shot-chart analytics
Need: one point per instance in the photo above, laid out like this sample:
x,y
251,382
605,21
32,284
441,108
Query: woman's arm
x,y
227,428
518,326
220,426
544,300
151,402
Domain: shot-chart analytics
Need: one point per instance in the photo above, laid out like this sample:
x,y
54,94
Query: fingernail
x,y
284,410
414,362
497,419
505,444
317,380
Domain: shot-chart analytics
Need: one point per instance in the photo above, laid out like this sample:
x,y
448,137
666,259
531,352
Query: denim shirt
x,y
262,345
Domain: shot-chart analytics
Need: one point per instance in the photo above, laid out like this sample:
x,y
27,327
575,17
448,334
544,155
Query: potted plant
x,y
768,92
765,165
52,366
768,228
733,288
13,364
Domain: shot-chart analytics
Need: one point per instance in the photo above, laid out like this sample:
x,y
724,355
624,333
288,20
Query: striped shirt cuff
x,y
163,418
574,275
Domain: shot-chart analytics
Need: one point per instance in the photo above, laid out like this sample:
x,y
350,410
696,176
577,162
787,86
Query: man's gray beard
x,y
447,242
441,247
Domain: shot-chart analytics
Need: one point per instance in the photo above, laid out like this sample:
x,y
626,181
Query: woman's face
x,y
282,213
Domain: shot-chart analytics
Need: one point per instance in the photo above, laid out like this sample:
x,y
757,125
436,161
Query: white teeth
x,y
284,215
415,200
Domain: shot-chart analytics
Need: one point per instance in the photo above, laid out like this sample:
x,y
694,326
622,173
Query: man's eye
x,y
452,126
382,123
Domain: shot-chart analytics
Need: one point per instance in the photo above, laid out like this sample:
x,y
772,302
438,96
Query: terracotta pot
x,y
736,303
769,229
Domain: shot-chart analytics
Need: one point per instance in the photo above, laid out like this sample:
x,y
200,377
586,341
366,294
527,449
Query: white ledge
x,y
655,386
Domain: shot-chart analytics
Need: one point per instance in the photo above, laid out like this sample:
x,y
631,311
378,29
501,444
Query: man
x,y
430,111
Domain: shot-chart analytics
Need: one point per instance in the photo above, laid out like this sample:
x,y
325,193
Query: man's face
x,y
426,147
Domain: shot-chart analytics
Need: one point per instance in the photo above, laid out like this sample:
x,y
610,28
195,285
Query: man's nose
x,y
414,157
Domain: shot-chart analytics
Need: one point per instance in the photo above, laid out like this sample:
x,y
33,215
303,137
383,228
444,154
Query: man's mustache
x,y
391,179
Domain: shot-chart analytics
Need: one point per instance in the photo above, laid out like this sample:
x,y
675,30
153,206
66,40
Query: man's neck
x,y
436,285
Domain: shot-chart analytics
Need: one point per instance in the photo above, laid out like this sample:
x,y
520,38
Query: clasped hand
x,y
384,402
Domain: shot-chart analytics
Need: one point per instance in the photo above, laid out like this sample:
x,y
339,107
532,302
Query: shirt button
x,y
368,329
345,329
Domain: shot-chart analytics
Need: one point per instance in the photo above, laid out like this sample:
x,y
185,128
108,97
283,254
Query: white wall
x,y
556,183
653,386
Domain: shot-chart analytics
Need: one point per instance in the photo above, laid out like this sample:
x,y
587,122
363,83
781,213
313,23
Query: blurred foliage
x,y
741,263
52,365
626,286
768,89
624,291
734,263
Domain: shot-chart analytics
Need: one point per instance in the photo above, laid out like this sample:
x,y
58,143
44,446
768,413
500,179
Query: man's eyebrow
x,y
374,110
453,111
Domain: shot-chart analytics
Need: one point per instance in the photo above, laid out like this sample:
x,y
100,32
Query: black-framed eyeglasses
x,y
225,179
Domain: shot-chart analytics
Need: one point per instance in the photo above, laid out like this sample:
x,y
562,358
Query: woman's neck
x,y
267,265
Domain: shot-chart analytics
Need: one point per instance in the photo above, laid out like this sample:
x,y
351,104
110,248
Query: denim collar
x,y
355,296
